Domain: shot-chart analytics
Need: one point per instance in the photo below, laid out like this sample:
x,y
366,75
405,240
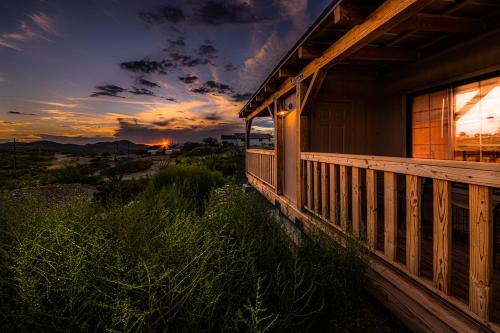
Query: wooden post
x,y
299,138
333,195
278,149
371,206
344,192
390,215
309,186
356,201
413,223
324,190
481,250
317,188
442,235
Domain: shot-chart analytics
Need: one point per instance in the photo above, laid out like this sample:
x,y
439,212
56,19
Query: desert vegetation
x,y
184,251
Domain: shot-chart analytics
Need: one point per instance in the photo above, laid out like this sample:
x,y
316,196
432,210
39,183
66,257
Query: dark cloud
x,y
188,79
174,43
213,87
17,113
170,99
187,61
237,97
150,133
148,66
147,83
218,12
230,67
163,14
110,90
78,140
163,123
212,116
207,50
141,91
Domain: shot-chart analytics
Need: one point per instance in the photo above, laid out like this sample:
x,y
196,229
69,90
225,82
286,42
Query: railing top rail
x,y
260,151
487,174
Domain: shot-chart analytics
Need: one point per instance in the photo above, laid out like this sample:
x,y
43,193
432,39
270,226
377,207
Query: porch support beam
x,y
306,53
351,16
278,148
387,16
312,90
285,73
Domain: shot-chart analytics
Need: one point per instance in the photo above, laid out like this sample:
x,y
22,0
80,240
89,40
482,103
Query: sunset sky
x,y
96,70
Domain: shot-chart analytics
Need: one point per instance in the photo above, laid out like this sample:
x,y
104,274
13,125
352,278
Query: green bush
x,y
193,182
157,264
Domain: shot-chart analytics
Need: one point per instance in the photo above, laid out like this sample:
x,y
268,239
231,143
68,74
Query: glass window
x,y
477,121
461,123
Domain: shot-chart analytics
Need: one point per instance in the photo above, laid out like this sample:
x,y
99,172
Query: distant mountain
x,y
123,146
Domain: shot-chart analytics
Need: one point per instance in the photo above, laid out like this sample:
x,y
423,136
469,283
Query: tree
x,y
210,141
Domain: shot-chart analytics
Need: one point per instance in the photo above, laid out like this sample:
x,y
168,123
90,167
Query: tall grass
x,y
159,264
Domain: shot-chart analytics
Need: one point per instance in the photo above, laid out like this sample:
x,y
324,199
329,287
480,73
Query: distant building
x,y
256,140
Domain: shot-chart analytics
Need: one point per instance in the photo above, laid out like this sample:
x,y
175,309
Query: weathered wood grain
x,y
390,215
442,235
356,201
481,250
334,215
371,206
316,187
477,173
413,223
344,193
324,190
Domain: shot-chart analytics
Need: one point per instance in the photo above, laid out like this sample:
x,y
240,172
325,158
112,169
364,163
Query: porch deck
x,y
367,198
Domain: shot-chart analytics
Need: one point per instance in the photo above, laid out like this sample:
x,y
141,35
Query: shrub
x,y
193,182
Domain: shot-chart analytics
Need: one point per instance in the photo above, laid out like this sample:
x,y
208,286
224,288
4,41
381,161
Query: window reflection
x,y
477,121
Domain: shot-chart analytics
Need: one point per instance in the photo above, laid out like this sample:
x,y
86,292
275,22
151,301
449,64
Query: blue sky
x,y
86,71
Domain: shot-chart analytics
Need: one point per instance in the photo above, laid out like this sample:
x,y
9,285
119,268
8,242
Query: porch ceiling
x,y
441,24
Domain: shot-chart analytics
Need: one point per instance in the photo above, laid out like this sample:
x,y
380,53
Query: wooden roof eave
x,y
328,13
385,17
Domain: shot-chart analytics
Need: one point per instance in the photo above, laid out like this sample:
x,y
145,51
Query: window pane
x,y
477,121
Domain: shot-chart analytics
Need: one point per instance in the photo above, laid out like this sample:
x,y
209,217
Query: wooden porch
x,y
383,203
379,114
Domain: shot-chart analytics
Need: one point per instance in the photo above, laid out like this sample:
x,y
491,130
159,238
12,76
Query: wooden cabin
x,y
387,127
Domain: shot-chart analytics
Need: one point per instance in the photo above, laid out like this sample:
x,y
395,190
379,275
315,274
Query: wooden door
x,y
290,155
330,127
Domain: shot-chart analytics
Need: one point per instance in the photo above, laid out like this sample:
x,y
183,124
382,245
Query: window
x,y
461,123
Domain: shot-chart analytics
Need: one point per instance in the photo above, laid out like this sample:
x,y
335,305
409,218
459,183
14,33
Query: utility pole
x,y
15,153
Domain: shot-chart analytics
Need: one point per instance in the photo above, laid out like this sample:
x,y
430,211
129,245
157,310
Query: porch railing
x,y
343,190
261,164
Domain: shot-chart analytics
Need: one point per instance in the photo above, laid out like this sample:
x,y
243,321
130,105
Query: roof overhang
x,y
377,35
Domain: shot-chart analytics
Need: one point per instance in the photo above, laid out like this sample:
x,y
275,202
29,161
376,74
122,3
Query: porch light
x,y
283,113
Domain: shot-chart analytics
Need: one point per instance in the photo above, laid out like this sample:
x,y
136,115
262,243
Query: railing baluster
x,y
481,250
333,195
371,206
442,235
413,223
309,185
324,190
356,201
317,188
344,192
390,215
